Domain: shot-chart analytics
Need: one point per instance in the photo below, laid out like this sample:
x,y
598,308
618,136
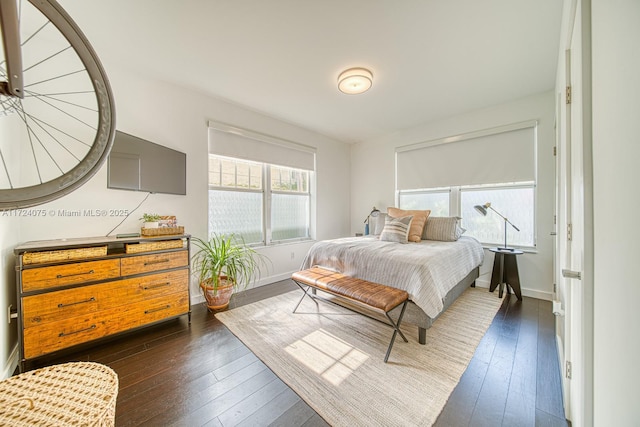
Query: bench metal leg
x,y
313,294
303,295
396,327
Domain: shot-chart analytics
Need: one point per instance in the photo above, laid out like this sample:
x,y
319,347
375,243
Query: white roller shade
x,y
498,155
225,140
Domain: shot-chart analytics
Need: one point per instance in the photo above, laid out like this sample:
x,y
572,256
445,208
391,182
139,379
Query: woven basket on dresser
x,y
39,257
70,394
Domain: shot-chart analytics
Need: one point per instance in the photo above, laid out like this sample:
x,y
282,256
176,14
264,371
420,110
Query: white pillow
x,y
443,228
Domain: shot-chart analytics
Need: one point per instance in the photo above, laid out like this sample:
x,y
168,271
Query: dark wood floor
x,y
176,374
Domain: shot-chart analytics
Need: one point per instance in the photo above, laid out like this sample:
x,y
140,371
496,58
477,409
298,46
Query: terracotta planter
x,y
217,299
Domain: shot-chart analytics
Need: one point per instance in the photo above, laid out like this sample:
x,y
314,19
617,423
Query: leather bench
x,y
372,296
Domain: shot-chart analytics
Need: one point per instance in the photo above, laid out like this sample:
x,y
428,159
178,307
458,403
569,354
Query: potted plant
x,y
150,220
222,264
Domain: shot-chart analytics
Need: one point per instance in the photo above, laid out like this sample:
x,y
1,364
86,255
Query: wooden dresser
x,y
75,291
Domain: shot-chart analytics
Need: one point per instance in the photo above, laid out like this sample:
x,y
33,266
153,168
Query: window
x,y
516,201
263,203
452,175
259,185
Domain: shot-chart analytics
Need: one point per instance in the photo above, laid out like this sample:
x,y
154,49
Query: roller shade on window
x,y
499,155
225,140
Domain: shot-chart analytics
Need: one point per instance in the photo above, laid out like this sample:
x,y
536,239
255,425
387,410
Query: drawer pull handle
x,y
60,276
153,310
63,334
159,261
157,285
77,302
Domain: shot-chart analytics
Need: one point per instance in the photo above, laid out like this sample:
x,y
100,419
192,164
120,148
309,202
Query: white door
x,y
572,211
567,326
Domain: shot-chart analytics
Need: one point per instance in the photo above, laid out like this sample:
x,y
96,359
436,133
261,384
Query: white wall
x,y
373,166
9,237
177,118
616,151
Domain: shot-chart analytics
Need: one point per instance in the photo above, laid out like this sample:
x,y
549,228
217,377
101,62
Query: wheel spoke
x,y
64,112
51,96
37,122
35,119
56,78
29,134
6,171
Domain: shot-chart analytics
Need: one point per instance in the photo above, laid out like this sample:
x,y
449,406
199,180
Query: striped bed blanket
x,y
426,270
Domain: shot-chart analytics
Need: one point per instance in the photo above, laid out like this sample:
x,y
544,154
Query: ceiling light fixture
x,y
355,80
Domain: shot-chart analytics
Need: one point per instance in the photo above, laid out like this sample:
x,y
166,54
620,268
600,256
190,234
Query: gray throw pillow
x,y
443,228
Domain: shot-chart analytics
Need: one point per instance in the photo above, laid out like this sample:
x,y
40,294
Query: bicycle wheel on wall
x,y
59,134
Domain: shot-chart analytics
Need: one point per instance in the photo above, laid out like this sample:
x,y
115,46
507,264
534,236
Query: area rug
x,y
333,358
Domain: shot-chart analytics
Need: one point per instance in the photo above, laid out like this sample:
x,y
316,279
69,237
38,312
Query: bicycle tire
x,y
15,198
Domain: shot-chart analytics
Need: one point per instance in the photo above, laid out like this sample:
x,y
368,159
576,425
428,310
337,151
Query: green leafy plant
x,y
226,255
150,217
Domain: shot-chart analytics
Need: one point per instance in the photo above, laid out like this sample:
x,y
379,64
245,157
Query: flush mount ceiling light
x,y
355,80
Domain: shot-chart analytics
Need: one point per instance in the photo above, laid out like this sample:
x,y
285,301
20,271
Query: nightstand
x,y
505,271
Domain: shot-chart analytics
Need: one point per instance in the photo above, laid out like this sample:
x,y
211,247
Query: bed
x,y
434,273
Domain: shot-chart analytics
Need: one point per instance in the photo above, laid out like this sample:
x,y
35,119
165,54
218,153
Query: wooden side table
x,y
505,271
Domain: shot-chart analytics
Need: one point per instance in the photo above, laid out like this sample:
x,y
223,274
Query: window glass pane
x,y
236,212
228,173
438,202
214,171
517,204
289,216
232,173
287,179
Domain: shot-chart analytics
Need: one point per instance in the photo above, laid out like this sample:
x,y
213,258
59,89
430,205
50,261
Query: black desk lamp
x,y
483,210
374,213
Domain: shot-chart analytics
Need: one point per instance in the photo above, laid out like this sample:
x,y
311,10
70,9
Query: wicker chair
x,y
70,394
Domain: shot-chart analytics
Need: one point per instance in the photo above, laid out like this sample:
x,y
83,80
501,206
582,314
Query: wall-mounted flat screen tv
x,y
140,165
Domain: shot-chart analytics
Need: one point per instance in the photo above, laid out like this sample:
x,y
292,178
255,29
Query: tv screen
x,y
140,165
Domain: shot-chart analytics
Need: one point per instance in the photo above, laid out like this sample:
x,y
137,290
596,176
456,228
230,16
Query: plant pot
x,y
217,298
151,224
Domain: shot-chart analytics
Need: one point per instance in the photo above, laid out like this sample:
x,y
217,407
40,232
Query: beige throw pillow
x,y
417,223
396,229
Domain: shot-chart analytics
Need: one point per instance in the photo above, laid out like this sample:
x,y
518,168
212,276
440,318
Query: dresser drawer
x,y
153,285
154,262
34,279
53,306
58,305
44,339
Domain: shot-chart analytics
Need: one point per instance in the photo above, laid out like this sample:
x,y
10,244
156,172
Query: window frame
x,y
267,199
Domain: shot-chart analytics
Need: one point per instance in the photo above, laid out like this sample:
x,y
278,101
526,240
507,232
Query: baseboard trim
x,y
11,364
197,297
565,385
527,292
